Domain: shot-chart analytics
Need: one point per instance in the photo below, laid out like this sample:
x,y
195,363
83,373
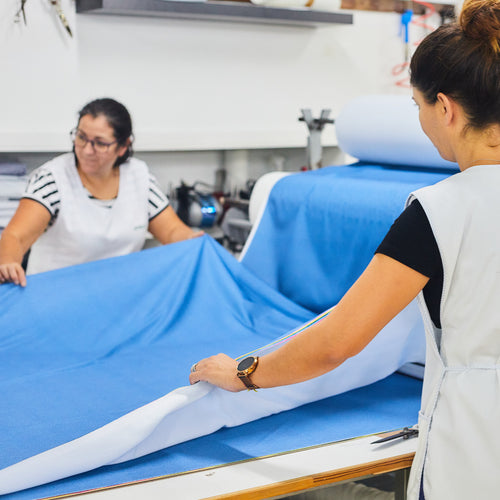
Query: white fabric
x,y
459,443
175,417
385,129
84,231
258,201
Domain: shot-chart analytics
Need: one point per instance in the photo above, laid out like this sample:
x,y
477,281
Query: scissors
x,y
406,433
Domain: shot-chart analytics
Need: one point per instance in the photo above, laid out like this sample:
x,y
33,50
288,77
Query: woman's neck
x,y
480,148
103,186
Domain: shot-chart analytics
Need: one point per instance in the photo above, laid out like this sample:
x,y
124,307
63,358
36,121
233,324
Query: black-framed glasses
x,y
80,140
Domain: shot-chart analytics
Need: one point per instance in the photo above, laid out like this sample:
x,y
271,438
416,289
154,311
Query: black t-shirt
x,y
410,240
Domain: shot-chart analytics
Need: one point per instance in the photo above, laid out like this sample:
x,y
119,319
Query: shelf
x,y
214,11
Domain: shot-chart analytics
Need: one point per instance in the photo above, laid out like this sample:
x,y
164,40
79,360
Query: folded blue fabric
x,y
12,168
320,228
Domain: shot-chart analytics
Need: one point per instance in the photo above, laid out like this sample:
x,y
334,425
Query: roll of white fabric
x,y
385,129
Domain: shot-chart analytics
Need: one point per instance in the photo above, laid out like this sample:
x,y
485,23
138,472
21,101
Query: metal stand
x,y
315,126
401,486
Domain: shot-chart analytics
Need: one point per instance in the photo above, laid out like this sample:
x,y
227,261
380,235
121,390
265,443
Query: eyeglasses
x,y
80,141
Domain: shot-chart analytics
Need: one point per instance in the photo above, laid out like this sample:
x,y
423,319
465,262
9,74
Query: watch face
x,y
246,363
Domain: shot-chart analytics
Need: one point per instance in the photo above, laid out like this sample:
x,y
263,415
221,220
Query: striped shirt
x,y
42,187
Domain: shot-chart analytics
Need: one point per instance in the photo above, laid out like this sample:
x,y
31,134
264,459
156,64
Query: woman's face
x,y
431,121
91,159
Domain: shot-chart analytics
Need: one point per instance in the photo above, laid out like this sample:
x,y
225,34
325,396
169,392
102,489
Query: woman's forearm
x,y
11,250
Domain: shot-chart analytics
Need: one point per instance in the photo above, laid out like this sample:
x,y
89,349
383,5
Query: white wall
x,y
190,85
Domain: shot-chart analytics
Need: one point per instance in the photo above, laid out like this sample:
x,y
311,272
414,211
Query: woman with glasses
x,y
93,203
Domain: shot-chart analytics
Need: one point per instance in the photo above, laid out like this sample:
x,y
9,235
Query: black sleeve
x,y
411,241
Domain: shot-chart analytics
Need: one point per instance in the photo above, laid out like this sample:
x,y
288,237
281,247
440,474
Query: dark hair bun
x,y
480,21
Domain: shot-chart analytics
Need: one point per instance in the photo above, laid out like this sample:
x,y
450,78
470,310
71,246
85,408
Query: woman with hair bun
x,y
445,248
94,203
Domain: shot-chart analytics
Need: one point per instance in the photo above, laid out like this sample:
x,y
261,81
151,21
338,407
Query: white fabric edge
x,y
258,202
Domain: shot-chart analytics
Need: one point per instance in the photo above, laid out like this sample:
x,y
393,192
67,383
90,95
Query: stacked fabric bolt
x,y
12,184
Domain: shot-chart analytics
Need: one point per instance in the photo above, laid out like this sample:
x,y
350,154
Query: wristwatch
x,y
245,368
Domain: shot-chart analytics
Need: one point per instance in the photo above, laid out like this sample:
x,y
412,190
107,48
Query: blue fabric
x,y
84,345
81,346
330,221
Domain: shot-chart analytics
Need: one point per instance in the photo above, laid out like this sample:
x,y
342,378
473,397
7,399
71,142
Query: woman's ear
x,y
447,106
123,149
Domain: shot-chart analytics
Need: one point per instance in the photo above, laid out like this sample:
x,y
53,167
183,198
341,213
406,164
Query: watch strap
x,y
244,375
249,384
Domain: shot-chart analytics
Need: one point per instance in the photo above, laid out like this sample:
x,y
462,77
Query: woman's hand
x,y
219,370
167,228
28,223
197,234
12,273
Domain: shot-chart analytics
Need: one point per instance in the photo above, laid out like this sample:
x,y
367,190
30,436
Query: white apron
x,y
458,453
85,231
